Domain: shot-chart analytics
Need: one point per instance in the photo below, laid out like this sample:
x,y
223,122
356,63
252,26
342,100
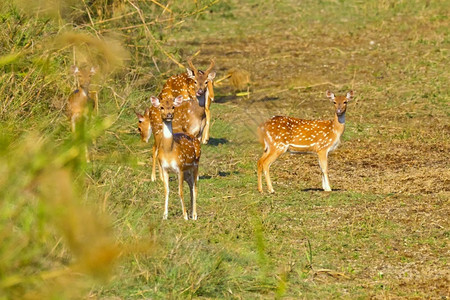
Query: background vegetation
x,y
71,229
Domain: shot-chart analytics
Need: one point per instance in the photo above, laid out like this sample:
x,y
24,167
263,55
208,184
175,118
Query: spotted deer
x,y
178,153
79,100
280,134
192,116
203,82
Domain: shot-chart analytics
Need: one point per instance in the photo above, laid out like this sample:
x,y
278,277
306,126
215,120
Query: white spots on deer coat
x,y
309,135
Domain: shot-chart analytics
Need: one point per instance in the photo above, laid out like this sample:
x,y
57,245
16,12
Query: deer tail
x,y
261,136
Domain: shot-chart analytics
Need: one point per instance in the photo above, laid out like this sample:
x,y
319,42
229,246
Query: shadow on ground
x,y
219,174
217,141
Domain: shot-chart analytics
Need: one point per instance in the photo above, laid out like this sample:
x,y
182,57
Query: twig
x,y
201,9
152,37
138,25
90,19
331,273
111,19
221,79
162,6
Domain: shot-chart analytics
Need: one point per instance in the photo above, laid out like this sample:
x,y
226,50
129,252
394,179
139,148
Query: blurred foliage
x,y
49,239
53,243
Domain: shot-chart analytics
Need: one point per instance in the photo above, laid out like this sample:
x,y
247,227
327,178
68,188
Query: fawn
x,y
178,153
78,100
192,116
281,134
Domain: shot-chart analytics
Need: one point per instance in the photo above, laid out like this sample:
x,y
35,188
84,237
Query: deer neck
x,y
339,123
203,98
341,118
85,89
167,136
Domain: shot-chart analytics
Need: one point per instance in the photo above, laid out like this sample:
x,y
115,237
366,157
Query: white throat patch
x,y
167,130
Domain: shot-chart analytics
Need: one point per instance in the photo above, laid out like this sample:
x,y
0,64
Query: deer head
x,y
200,78
83,76
167,106
144,125
340,102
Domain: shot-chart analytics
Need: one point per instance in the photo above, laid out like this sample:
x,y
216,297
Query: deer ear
x,y
178,101
330,95
350,95
155,101
190,73
211,76
74,69
139,116
147,112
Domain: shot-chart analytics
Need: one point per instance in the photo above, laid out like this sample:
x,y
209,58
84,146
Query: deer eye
x,y
334,102
139,129
173,107
162,108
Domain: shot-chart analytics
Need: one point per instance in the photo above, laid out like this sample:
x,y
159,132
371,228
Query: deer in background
x,y
78,101
203,82
192,116
178,153
281,134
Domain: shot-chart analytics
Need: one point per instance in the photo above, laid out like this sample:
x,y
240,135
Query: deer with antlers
x,y
192,116
281,134
80,98
178,153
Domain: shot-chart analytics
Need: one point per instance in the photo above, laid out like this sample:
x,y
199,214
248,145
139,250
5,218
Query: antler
x,y
210,67
191,65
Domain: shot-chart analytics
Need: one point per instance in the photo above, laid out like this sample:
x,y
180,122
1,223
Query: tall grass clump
x,y
53,244
54,241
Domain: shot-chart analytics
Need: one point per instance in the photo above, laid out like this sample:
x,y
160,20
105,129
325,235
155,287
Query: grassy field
x,y
382,232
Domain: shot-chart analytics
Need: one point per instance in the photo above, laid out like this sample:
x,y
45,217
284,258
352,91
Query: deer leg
x,y
323,163
260,169
73,121
166,189
271,157
205,135
95,102
160,170
86,151
180,192
194,193
191,179
154,162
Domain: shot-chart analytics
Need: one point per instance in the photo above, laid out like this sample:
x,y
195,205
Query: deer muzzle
x,y
200,92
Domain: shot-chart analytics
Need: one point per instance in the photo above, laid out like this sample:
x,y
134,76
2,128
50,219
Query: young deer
x,y
178,153
78,100
191,116
205,95
281,134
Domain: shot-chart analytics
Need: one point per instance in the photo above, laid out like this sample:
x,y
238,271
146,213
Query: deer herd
x,y
179,120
